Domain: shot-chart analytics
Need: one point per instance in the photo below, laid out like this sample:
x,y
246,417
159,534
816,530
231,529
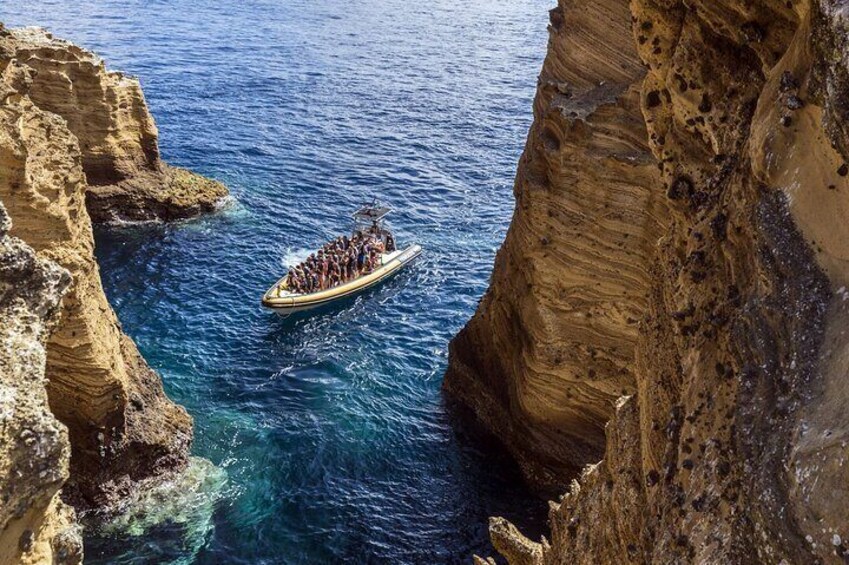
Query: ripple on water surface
x,y
329,432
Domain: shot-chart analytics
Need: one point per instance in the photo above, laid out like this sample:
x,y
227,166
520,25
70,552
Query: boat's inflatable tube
x,y
279,299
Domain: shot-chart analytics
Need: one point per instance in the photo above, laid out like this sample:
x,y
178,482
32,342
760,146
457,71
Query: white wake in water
x,y
293,256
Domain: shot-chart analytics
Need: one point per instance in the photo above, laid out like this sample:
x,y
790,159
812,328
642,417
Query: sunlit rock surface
x,y
552,344
728,443
118,139
121,425
61,343
35,525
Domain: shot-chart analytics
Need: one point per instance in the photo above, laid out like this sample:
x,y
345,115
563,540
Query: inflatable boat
x,y
284,301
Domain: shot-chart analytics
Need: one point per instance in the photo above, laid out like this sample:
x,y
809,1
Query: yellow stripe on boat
x,y
279,298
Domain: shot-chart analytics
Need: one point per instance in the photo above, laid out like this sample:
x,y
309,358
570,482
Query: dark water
x,y
329,436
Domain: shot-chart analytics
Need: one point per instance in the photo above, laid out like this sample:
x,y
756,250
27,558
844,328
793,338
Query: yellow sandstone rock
x,y
552,344
109,428
729,444
35,525
121,426
118,139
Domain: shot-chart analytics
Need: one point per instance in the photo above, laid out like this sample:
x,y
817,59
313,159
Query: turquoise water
x,y
329,436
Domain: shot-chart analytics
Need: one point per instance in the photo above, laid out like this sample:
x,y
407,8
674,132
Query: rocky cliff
x,y
35,525
552,344
109,429
722,377
118,139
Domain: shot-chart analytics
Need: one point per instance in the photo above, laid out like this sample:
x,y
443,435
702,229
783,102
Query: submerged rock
x,y
186,503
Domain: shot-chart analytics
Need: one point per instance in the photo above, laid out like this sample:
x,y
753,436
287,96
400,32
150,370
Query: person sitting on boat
x,y
341,260
346,262
292,279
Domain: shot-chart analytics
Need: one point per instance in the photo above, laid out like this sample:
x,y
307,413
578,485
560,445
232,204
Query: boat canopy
x,y
371,213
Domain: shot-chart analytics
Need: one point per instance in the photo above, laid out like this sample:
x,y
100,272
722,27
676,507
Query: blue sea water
x,y
329,435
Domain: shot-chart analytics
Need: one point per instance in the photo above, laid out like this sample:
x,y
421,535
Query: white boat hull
x,y
285,303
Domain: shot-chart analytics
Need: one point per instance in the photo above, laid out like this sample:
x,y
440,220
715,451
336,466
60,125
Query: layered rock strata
x,y
730,443
552,344
118,139
122,427
109,429
35,525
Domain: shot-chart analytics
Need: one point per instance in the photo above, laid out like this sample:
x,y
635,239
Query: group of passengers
x,y
341,260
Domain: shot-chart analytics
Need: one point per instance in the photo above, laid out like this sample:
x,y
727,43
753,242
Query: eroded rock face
x,y
118,139
123,430
552,344
35,525
732,447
